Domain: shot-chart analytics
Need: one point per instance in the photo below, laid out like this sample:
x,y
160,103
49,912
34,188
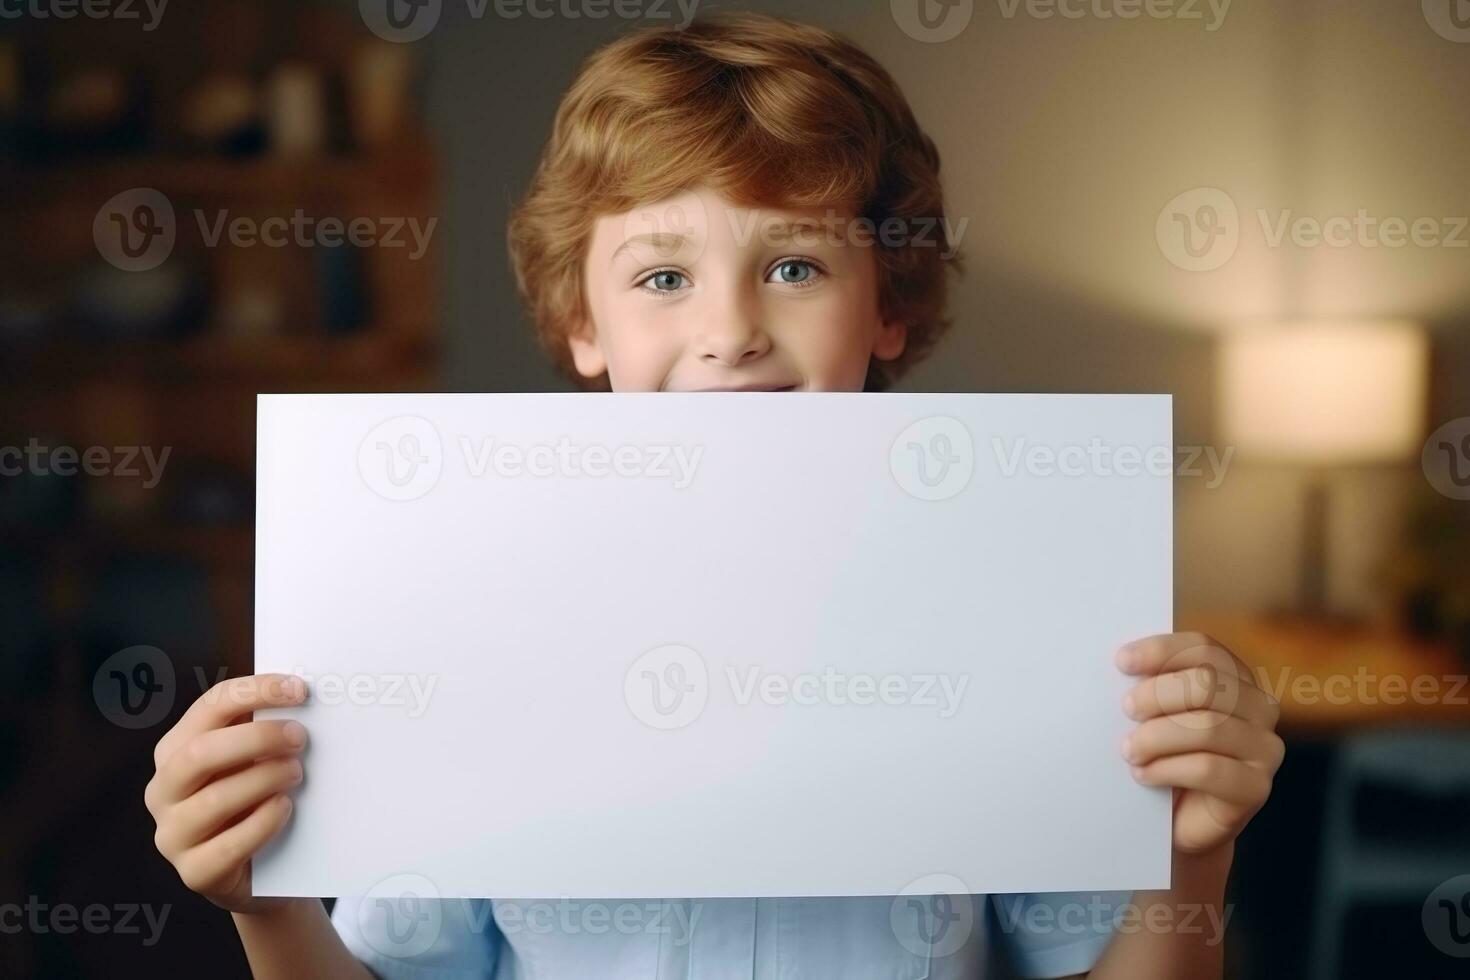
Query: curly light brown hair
x,y
765,111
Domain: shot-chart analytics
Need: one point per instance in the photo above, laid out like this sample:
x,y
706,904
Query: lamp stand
x,y
1312,567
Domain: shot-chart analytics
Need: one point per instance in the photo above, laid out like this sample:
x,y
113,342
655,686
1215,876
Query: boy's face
x,y
692,293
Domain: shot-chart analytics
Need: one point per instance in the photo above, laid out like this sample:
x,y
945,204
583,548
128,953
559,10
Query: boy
x,y
748,204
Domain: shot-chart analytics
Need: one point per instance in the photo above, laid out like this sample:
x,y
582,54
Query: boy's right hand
x,y
218,792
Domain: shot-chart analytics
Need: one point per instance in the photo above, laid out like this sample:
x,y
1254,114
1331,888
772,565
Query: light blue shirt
x,y
902,938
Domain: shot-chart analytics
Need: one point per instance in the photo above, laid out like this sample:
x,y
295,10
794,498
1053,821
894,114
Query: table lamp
x,y
1323,395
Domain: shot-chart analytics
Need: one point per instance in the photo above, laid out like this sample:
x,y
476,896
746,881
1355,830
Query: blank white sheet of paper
x,y
713,644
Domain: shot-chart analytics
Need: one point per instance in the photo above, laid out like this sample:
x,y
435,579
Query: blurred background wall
x,y
1138,193
1062,140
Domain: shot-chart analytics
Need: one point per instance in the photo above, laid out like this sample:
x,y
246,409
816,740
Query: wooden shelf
x,y
222,546
78,774
194,395
369,354
408,170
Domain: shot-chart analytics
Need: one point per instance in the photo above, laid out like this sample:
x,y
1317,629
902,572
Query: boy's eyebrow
x,y
778,231
666,243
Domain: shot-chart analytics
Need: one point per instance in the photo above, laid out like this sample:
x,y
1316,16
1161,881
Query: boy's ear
x,y
892,336
587,355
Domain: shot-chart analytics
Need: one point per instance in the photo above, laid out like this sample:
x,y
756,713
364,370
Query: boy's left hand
x,y
1204,729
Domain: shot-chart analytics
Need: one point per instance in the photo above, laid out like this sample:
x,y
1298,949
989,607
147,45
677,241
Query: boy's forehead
x,y
691,214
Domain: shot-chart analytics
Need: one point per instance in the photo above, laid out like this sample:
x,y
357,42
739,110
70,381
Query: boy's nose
x,y
731,337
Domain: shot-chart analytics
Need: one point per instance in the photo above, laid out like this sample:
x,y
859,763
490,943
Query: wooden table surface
x,y
1332,678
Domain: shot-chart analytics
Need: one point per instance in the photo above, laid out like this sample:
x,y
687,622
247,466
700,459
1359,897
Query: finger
x,y
1167,652
222,801
217,862
1230,780
1201,688
215,752
1204,731
226,701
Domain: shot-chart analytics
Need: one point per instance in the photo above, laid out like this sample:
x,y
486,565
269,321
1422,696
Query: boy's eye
x,y
793,272
664,281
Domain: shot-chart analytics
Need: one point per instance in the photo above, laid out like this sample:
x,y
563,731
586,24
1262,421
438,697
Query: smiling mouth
x,y
749,388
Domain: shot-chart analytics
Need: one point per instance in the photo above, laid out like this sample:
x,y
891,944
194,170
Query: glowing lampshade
x,y
1324,393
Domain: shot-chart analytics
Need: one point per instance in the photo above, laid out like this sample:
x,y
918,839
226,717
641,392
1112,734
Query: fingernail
x,y
296,688
294,732
1127,658
1138,773
1130,705
296,770
1128,747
